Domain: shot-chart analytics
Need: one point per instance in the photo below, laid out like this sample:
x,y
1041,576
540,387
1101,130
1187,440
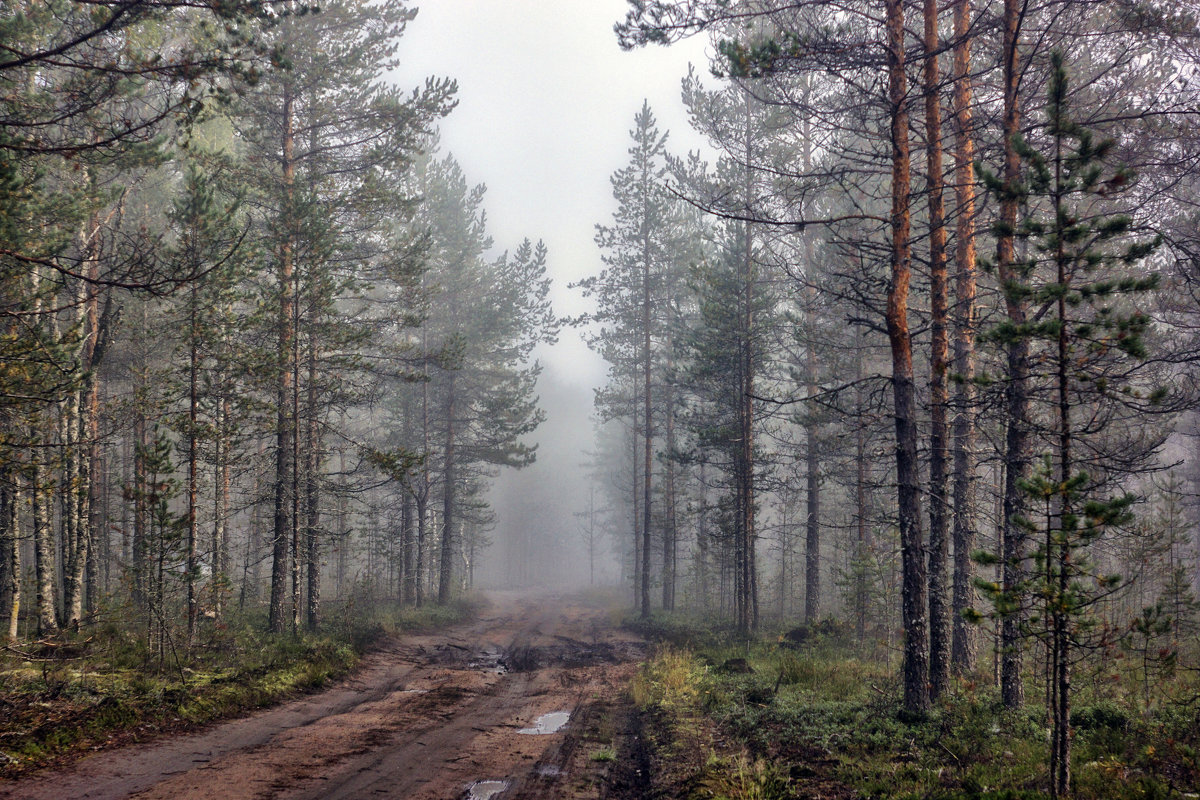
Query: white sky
x,y
546,101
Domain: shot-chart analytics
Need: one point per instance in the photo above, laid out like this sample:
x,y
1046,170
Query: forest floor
x,y
423,716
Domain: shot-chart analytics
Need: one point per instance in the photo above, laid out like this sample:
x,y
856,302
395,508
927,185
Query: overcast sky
x,y
546,102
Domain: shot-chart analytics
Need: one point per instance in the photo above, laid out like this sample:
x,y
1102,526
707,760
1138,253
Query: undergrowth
x,y
101,686
815,713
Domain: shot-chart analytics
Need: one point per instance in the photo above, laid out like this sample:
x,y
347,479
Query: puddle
x,y
485,790
548,723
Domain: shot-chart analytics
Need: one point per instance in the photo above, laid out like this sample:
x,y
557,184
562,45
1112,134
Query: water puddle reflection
x,y
485,790
548,723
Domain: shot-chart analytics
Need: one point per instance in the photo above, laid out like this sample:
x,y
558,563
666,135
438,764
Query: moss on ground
x,y
815,719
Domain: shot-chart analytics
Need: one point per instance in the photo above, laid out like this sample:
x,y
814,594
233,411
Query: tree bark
x,y
670,532
140,555
647,420
43,550
1016,446
193,467
913,600
1060,753
312,497
812,462
962,641
863,544
748,616
221,489
13,525
284,420
408,594
939,541
449,476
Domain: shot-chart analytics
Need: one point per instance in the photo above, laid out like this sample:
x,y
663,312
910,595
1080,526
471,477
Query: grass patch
x,y
814,714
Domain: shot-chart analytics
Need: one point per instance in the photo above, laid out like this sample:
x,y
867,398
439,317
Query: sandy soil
x,y
422,718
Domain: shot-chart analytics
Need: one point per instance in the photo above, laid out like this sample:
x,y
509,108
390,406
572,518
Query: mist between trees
x,y
914,352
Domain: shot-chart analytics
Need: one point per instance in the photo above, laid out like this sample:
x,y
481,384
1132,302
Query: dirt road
x,y
423,717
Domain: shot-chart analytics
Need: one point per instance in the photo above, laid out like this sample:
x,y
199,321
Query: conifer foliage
x,y
229,253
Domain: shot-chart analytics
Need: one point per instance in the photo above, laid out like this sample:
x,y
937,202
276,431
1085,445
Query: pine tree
x,y
328,143
631,302
1082,269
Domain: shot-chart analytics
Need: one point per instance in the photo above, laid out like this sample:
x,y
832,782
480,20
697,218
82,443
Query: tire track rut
x,y
421,718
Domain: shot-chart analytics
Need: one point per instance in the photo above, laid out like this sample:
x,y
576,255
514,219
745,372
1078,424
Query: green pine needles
x,y
1081,275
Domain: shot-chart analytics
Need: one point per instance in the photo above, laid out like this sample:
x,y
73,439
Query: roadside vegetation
x,y
88,690
777,718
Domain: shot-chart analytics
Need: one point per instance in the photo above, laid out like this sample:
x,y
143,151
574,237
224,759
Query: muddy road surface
x,y
466,712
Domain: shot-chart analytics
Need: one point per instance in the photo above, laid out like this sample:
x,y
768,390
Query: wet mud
x,y
440,715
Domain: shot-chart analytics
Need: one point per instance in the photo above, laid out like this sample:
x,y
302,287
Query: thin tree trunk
x,y
139,555
43,550
15,498
284,420
68,433
312,489
343,538
702,561
636,496
221,488
422,496
1016,449
670,533
449,476
408,594
939,540
748,618
8,542
863,542
963,638
916,646
647,420
193,467
812,463
418,578
297,555
1060,758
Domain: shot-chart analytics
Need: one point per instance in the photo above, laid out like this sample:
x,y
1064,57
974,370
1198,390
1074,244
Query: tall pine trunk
x,y
647,420
670,531
939,540
812,462
916,646
312,489
962,639
221,490
12,524
284,420
449,476
748,610
43,549
1016,446
193,467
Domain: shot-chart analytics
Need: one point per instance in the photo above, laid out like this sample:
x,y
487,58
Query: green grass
x,y
820,704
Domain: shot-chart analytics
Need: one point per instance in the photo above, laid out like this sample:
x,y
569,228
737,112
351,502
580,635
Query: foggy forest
x,y
831,429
